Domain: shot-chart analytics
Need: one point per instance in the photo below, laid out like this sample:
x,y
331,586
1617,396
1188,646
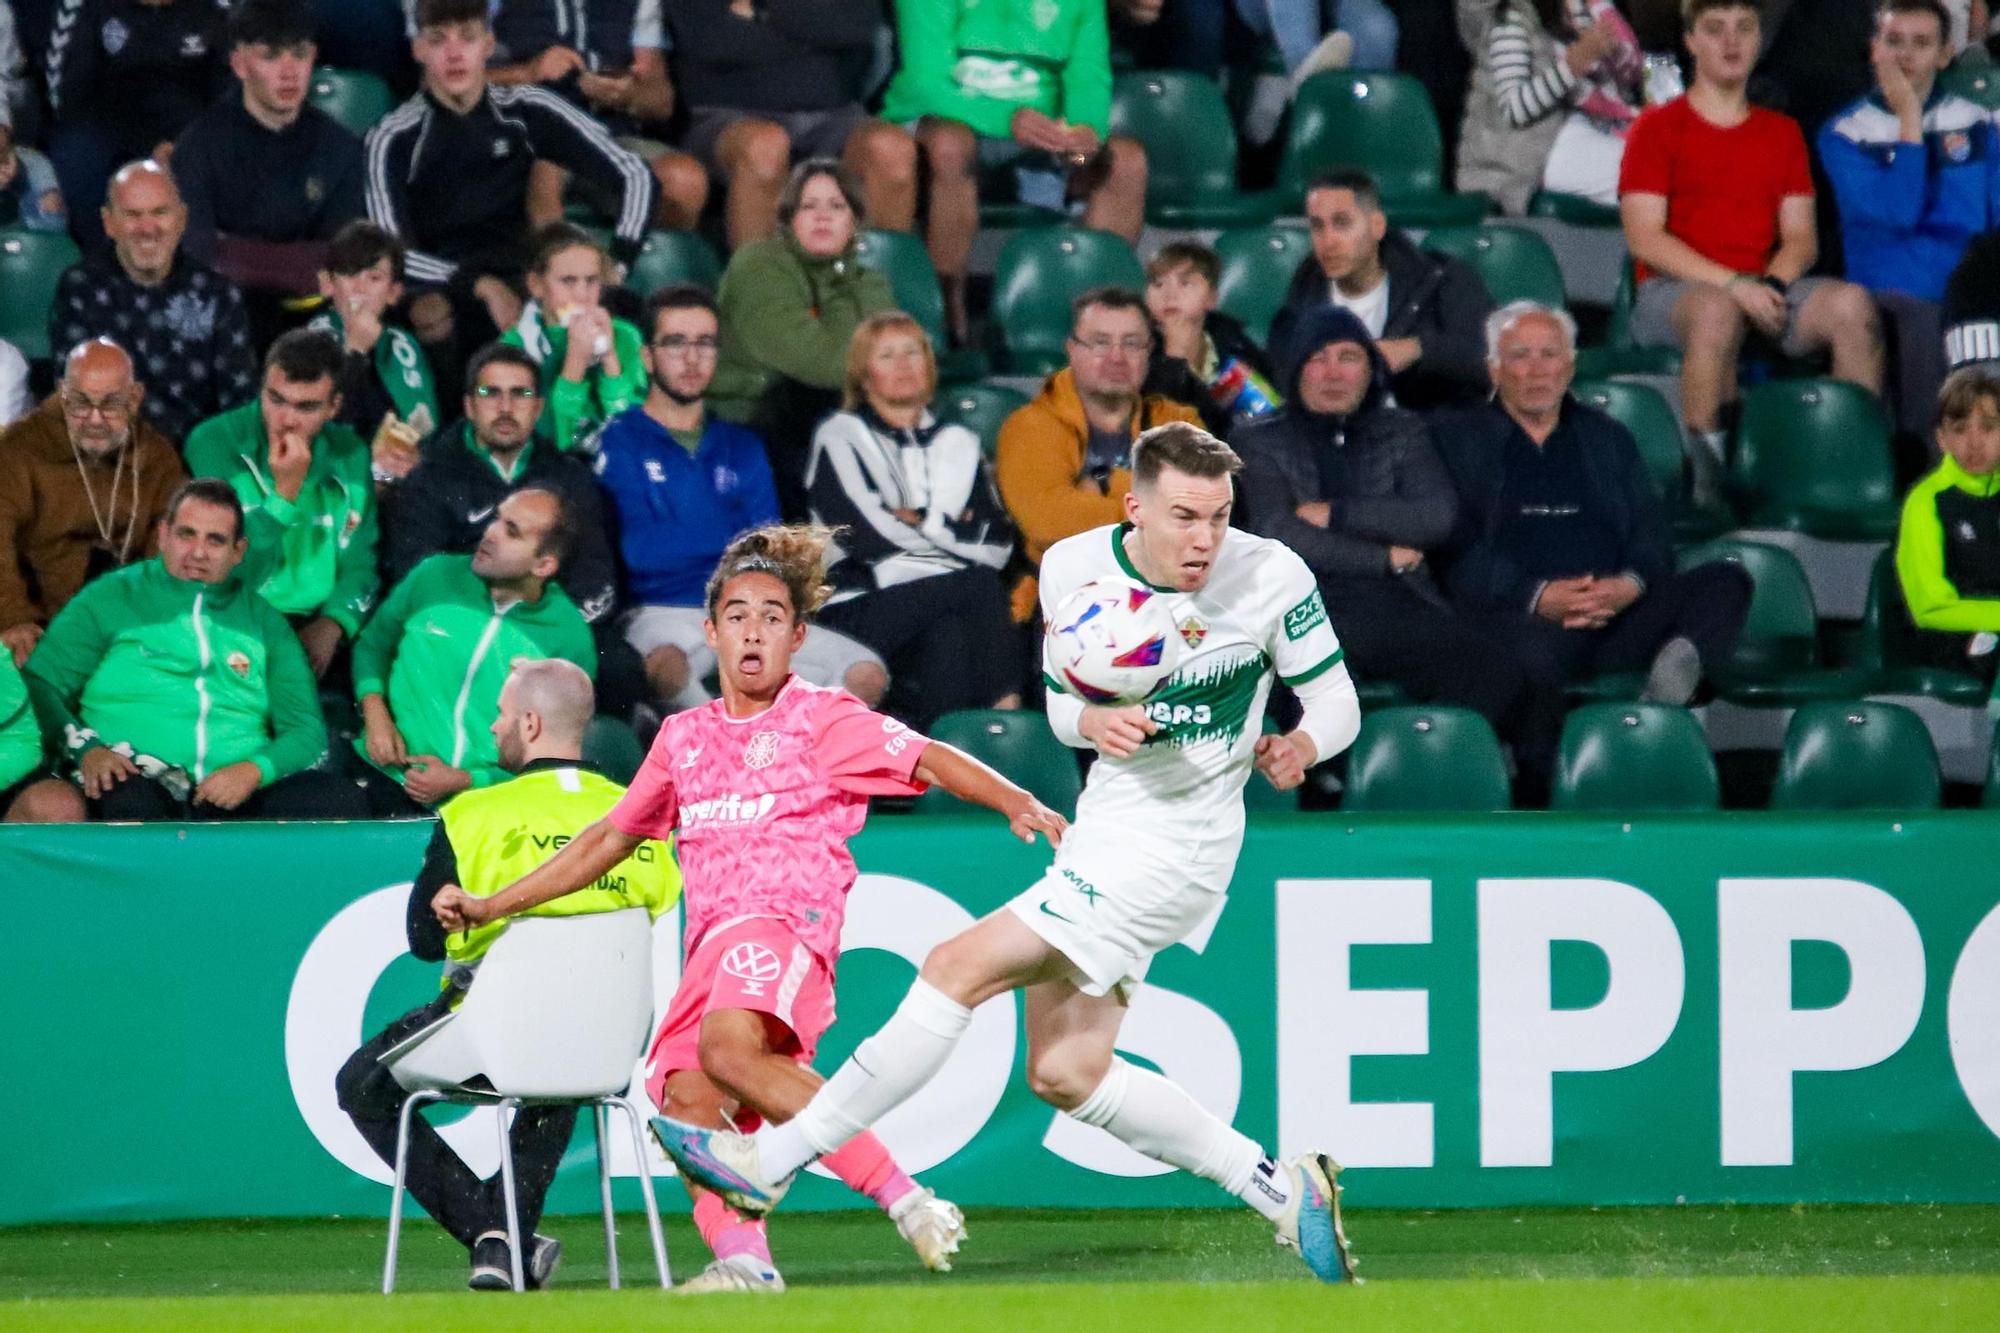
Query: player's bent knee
x,y
1064,1079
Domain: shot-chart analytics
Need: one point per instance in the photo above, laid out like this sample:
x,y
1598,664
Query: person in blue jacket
x,y
683,485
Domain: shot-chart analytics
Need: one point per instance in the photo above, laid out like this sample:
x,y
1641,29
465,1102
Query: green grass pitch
x,y
1733,1268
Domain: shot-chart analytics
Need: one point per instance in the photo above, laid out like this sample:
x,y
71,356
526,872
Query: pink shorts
x,y
753,962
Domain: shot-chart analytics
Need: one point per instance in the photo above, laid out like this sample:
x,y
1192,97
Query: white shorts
x,y
823,659
1109,904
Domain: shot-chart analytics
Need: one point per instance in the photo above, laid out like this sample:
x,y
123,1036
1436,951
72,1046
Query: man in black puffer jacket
x,y
1352,484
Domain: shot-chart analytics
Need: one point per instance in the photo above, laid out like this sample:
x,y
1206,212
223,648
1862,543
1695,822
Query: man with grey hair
x,y
1560,540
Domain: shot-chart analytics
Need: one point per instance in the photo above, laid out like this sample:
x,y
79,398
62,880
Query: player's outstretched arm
x,y
587,858
969,780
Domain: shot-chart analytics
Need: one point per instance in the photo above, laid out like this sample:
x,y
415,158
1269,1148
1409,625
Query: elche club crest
x,y
239,662
762,751
1193,630
752,964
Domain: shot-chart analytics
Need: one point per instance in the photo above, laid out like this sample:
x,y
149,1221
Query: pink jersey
x,y
762,807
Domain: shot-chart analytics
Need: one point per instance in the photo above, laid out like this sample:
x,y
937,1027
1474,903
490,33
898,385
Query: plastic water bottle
x,y
1663,79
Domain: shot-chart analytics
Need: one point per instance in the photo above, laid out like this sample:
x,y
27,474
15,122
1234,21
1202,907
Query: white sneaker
x,y
934,1227
739,1272
1310,1223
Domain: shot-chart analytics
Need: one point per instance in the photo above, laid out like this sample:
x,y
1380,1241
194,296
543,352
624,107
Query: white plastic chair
x,y
558,1015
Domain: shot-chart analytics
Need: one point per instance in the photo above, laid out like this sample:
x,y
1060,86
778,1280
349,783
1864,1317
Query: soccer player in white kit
x,y
1146,862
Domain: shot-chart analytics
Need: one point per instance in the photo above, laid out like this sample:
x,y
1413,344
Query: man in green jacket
x,y
20,748
1948,545
307,490
429,666
176,692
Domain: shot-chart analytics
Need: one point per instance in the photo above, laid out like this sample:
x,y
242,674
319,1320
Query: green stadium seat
x,y
1017,743
1976,81
1644,410
1777,662
31,262
1383,124
1426,758
1814,457
1573,209
354,97
1515,263
1619,355
1857,756
983,408
1257,268
668,257
1887,642
1637,757
1190,144
1039,272
611,747
1990,798
903,260
1380,693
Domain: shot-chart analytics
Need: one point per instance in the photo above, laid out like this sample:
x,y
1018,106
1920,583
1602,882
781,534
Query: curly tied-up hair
x,y
795,555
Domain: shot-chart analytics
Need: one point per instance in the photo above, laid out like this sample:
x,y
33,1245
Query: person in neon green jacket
x,y
176,691
1948,544
307,490
590,363
429,666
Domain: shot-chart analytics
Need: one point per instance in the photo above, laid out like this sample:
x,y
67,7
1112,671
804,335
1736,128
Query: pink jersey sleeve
x,y
649,808
862,752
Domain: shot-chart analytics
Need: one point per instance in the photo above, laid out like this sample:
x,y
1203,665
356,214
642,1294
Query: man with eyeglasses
x,y
307,490
1064,462
683,485
84,481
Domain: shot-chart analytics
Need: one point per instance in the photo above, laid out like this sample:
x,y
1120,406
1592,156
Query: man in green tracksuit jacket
x,y
307,488
177,692
1948,545
429,666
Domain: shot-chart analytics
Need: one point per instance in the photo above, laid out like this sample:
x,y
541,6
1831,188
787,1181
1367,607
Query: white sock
x,y
884,1072
1157,1117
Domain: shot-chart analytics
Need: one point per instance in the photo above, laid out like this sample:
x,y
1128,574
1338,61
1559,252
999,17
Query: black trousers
x,y
1706,604
386,797
308,795
439,1179
949,640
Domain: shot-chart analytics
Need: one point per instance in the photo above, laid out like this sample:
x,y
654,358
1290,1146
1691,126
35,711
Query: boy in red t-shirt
x,y
1717,200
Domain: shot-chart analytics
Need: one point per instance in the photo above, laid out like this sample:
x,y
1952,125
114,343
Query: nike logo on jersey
x,y
479,515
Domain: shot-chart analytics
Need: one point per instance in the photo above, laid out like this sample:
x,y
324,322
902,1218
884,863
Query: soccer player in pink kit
x,y
762,789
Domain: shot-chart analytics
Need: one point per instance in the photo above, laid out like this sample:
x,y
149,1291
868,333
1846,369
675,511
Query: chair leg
x,y
410,1105
599,1121
509,1105
646,1190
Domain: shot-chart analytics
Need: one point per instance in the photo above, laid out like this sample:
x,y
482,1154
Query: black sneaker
x,y
544,1253
492,1267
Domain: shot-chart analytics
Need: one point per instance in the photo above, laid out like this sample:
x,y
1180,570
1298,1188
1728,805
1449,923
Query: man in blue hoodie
x,y
683,485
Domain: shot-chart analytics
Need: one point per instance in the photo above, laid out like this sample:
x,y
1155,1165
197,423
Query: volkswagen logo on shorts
x,y
753,964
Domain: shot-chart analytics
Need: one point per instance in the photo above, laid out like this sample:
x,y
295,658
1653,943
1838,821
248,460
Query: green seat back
x,y
1856,756
1381,123
1515,263
669,257
610,746
1644,411
1815,454
1019,744
354,97
902,259
30,264
1425,758
1257,267
1040,271
1975,81
1781,632
982,408
1184,125
1638,757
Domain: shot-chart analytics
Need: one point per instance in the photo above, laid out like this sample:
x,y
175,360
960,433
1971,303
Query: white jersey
x,y
1259,615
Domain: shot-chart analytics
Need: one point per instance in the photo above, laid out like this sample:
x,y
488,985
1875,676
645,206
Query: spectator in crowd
x,y
386,388
684,485
21,765
1560,543
1557,85
1352,483
176,692
1424,310
15,399
1948,546
544,710
790,304
781,77
184,326
589,361
1971,307
1020,88
1717,202
125,77
304,481
19,97
448,175
267,179
30,195
1916,173
1064,461
429,666
84,482
923,536
1232,375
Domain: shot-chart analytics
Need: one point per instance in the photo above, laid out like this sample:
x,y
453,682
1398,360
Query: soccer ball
x,y
1113,641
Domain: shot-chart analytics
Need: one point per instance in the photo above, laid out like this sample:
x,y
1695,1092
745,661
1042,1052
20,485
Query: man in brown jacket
x,y
1064,461
83,484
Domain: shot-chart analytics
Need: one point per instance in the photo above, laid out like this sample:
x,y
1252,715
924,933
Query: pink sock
x,y
725,1232
863,1165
